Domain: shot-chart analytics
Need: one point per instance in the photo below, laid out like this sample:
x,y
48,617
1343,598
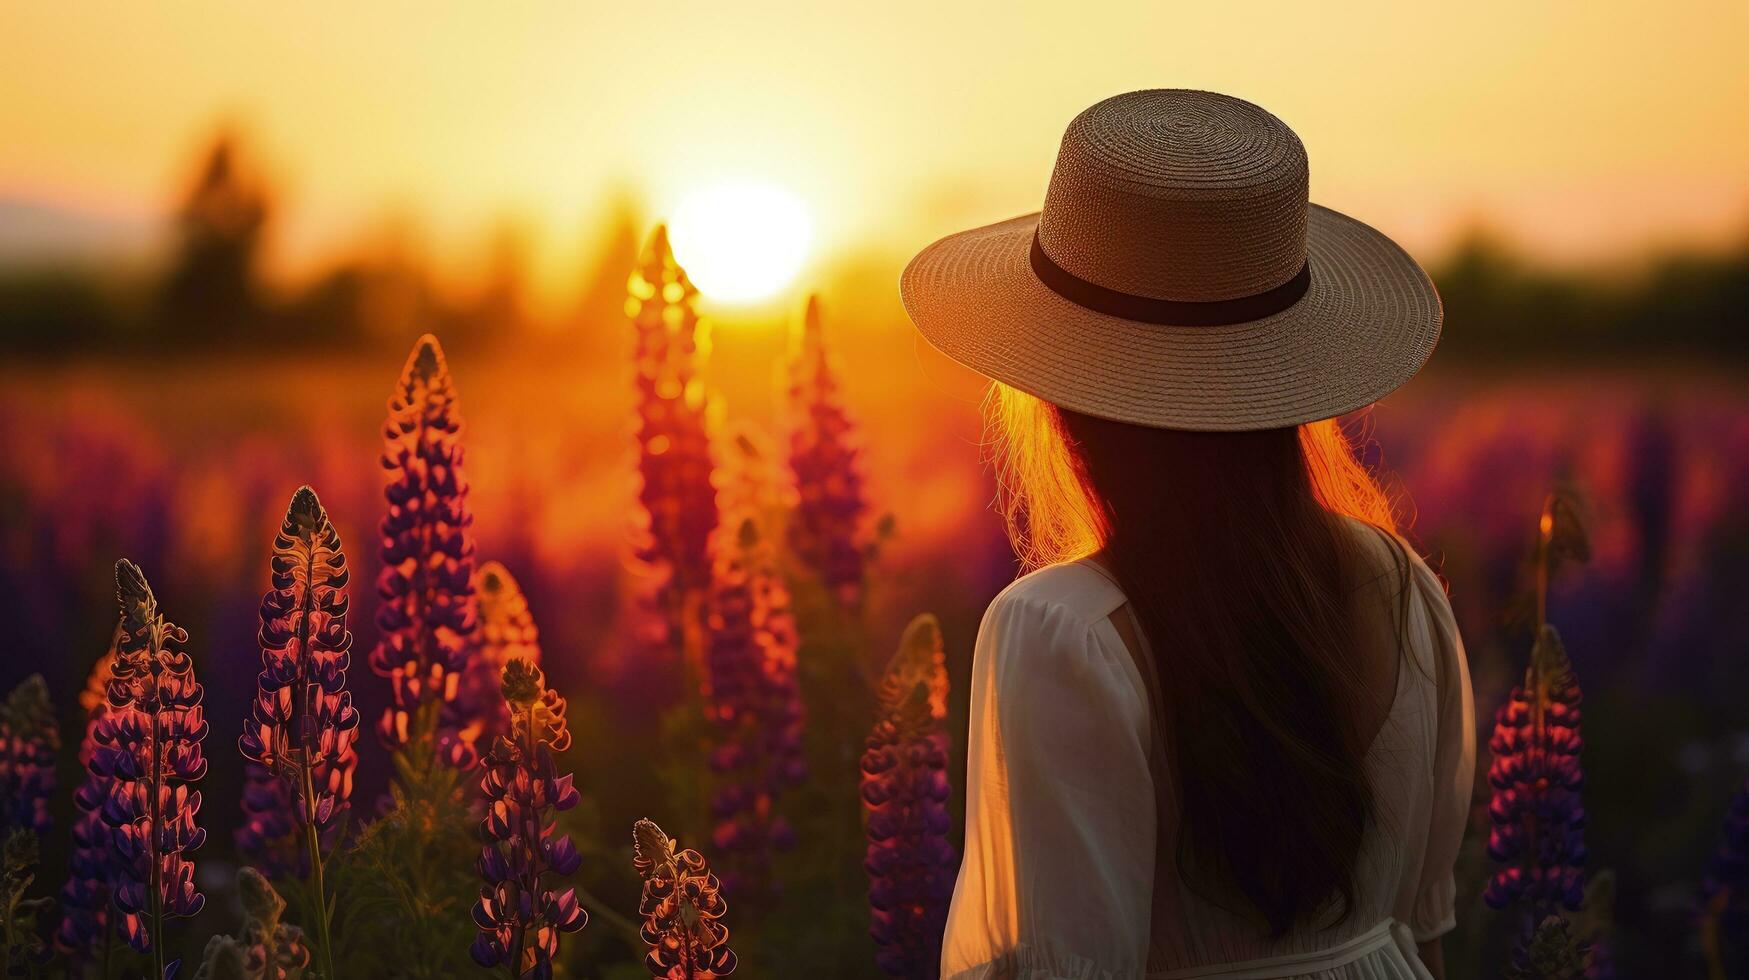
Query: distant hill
x,y
39,233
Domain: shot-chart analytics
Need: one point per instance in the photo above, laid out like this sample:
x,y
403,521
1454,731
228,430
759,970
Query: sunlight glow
x,y
741,241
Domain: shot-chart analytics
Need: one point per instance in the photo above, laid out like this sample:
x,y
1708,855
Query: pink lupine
x,y
905,793
682,907
827,530
149,741
1538,819
427,614
519,915
678,502
86,915
302,726
1538,832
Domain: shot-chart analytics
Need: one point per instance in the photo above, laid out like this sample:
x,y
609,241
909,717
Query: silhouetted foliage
x,y
210,289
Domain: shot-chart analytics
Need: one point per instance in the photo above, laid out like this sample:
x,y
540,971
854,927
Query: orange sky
x,y
1582,129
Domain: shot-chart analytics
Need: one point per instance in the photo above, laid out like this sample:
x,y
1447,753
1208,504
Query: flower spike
x,y
506,630
300,732
266,947
905,795
29,741
827,531
678,500
1538,821
682,905
754,704
519,917
427,615
149,743
87,914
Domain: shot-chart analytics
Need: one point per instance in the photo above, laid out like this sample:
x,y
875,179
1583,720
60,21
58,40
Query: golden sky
x,y
1583,129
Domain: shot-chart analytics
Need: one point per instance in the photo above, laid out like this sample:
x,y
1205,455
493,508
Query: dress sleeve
x,y
1454,762
1059,855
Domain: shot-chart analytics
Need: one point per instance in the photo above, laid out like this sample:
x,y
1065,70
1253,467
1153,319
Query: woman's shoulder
x,y
1076,591
1047,637
1389,563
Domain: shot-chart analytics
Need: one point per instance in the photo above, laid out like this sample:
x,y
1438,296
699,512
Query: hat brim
x,y
1366,325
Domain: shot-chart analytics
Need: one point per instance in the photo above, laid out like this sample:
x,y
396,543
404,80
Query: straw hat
x,y
1177,277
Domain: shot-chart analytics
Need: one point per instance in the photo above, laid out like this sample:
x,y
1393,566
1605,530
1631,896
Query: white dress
x,y
1057,882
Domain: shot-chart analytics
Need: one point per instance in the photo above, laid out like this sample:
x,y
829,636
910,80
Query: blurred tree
x,y
600,312
209,292
500,310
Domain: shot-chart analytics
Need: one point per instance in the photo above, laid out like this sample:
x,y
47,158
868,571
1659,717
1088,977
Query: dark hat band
x,y
1147,309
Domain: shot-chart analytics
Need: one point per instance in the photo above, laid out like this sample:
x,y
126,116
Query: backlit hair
x,y
1239,554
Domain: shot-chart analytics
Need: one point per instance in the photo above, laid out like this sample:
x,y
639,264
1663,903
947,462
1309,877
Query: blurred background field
x,y
214,257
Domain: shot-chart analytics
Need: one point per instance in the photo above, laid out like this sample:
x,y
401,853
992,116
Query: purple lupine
x,y
679,501
268,836
86,915
149,742
519,916
427,615
1538,819
1538,832
826,531
905,793
682,907
29,741
754,705
1727,881
302,726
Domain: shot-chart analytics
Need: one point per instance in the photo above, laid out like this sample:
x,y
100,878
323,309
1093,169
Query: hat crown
x,y
1175,194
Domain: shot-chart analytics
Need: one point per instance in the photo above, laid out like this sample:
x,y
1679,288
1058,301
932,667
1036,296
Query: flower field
x,y
468,617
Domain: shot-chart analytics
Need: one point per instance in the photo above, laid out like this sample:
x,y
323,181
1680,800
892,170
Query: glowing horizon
x,y
1576,137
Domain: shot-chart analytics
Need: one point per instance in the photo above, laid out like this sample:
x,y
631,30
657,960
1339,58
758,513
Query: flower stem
x,y
156,877
313,841
531,841
108,941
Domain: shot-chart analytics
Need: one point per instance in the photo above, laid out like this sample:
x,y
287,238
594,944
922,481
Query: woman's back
x,y
1060,873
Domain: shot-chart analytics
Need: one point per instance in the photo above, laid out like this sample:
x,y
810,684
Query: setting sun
x,y
741,241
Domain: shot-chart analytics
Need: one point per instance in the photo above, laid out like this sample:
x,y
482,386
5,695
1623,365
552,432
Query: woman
x,y
1224,729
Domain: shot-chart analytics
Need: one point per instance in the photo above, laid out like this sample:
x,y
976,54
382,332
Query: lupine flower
x,y
29,741
679,502
86,915
682,906
265,948
268,835
519,916
1538,833
754,705
427,615
150,742
1538,820
826,532
302,725
506,630
904,795
1727,881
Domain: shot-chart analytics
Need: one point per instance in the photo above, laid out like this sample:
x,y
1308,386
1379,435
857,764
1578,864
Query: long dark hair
x,y
1233,553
